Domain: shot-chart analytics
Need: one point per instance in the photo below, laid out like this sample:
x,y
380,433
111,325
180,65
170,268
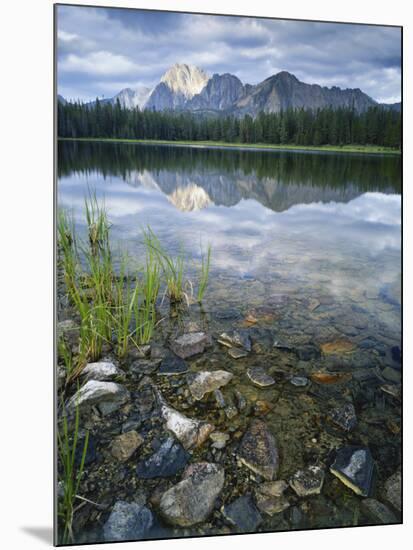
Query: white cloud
x,y
99,63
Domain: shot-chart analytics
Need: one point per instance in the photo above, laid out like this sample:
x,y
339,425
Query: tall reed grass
x,y
204,274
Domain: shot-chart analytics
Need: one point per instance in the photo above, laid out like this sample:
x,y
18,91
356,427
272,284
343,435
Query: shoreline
x,y
361,149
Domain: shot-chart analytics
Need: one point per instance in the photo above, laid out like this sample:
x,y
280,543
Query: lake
x,y
306,256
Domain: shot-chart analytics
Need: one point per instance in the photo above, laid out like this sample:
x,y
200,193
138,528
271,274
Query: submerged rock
x,y
344,416
299,381
190,432
219,439
259,377
172,365
258,450
308,482
237,339
242,513
204,382
192,500
354,466
242,403
107,396
167,461
124,445
189,344
393,490
377,511
127,521
237,353
220,399
101,371
269,497
338,347
308,352
391,375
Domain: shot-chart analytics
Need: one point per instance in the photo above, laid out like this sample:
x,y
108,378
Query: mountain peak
x,y
188,80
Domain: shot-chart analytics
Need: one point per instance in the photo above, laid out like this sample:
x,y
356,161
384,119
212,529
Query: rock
x,y
237,353
258,450
299,381
354,466
344,416
172,365
144,366
189,344
308,352
124,445
271,505
107,396
237,339
219,399
308,482
192,500
390,389
231,411
66,329
101,371
219,439
259,377
190,432
391,375
330,378
167,461
283,346
140,352
127,521
242,513
60,377
377,511
261,407
241,401
393,490
204,382
90,455
272,488
338,347
158,351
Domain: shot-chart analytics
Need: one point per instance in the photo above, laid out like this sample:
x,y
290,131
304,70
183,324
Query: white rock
x,y
102,371
204,382
190,432
107,396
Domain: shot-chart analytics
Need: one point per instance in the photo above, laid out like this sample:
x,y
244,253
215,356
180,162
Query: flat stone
x,y
283,346
204,382
308,352
237,353
259,377
344,416
167,461
66,328
258,450
124,445
144,366
101,371
328,378
172,365
338,347
107,396
192,500
271,505
393,490
308,482
189,344
391,375
377,511
299,381
354,466
220,439
236,339
190,432
393,390
262,407
127,521
272,488
243,514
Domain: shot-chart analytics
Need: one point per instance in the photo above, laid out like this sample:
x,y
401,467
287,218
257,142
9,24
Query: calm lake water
x,y
307,244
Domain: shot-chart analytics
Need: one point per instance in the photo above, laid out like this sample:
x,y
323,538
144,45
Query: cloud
x,y
141,45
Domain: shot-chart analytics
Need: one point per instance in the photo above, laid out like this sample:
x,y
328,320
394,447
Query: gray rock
x,y
60,376
189,344
272,488
299,381
219,399
308,352
107,396
190,432
391,375
258,450
192,500
344,416
144,366
231,411
67,328
124,445
259,377
393,490
242,403
237,339
204,382
102,371
354,466
237,353
393,390
308,482
271,505
167,461
242,513
172,365
220,439
127,521
377,512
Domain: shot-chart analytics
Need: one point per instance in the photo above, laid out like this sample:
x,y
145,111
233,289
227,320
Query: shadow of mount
x,y
196,178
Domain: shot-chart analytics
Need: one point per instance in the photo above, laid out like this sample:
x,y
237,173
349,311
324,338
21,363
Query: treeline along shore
x,y
377,127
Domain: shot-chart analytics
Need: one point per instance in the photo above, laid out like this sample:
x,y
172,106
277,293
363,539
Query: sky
x,y
100,51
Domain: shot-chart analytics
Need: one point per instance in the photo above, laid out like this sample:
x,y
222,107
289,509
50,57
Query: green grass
x,y
354,148
204,274
70,474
